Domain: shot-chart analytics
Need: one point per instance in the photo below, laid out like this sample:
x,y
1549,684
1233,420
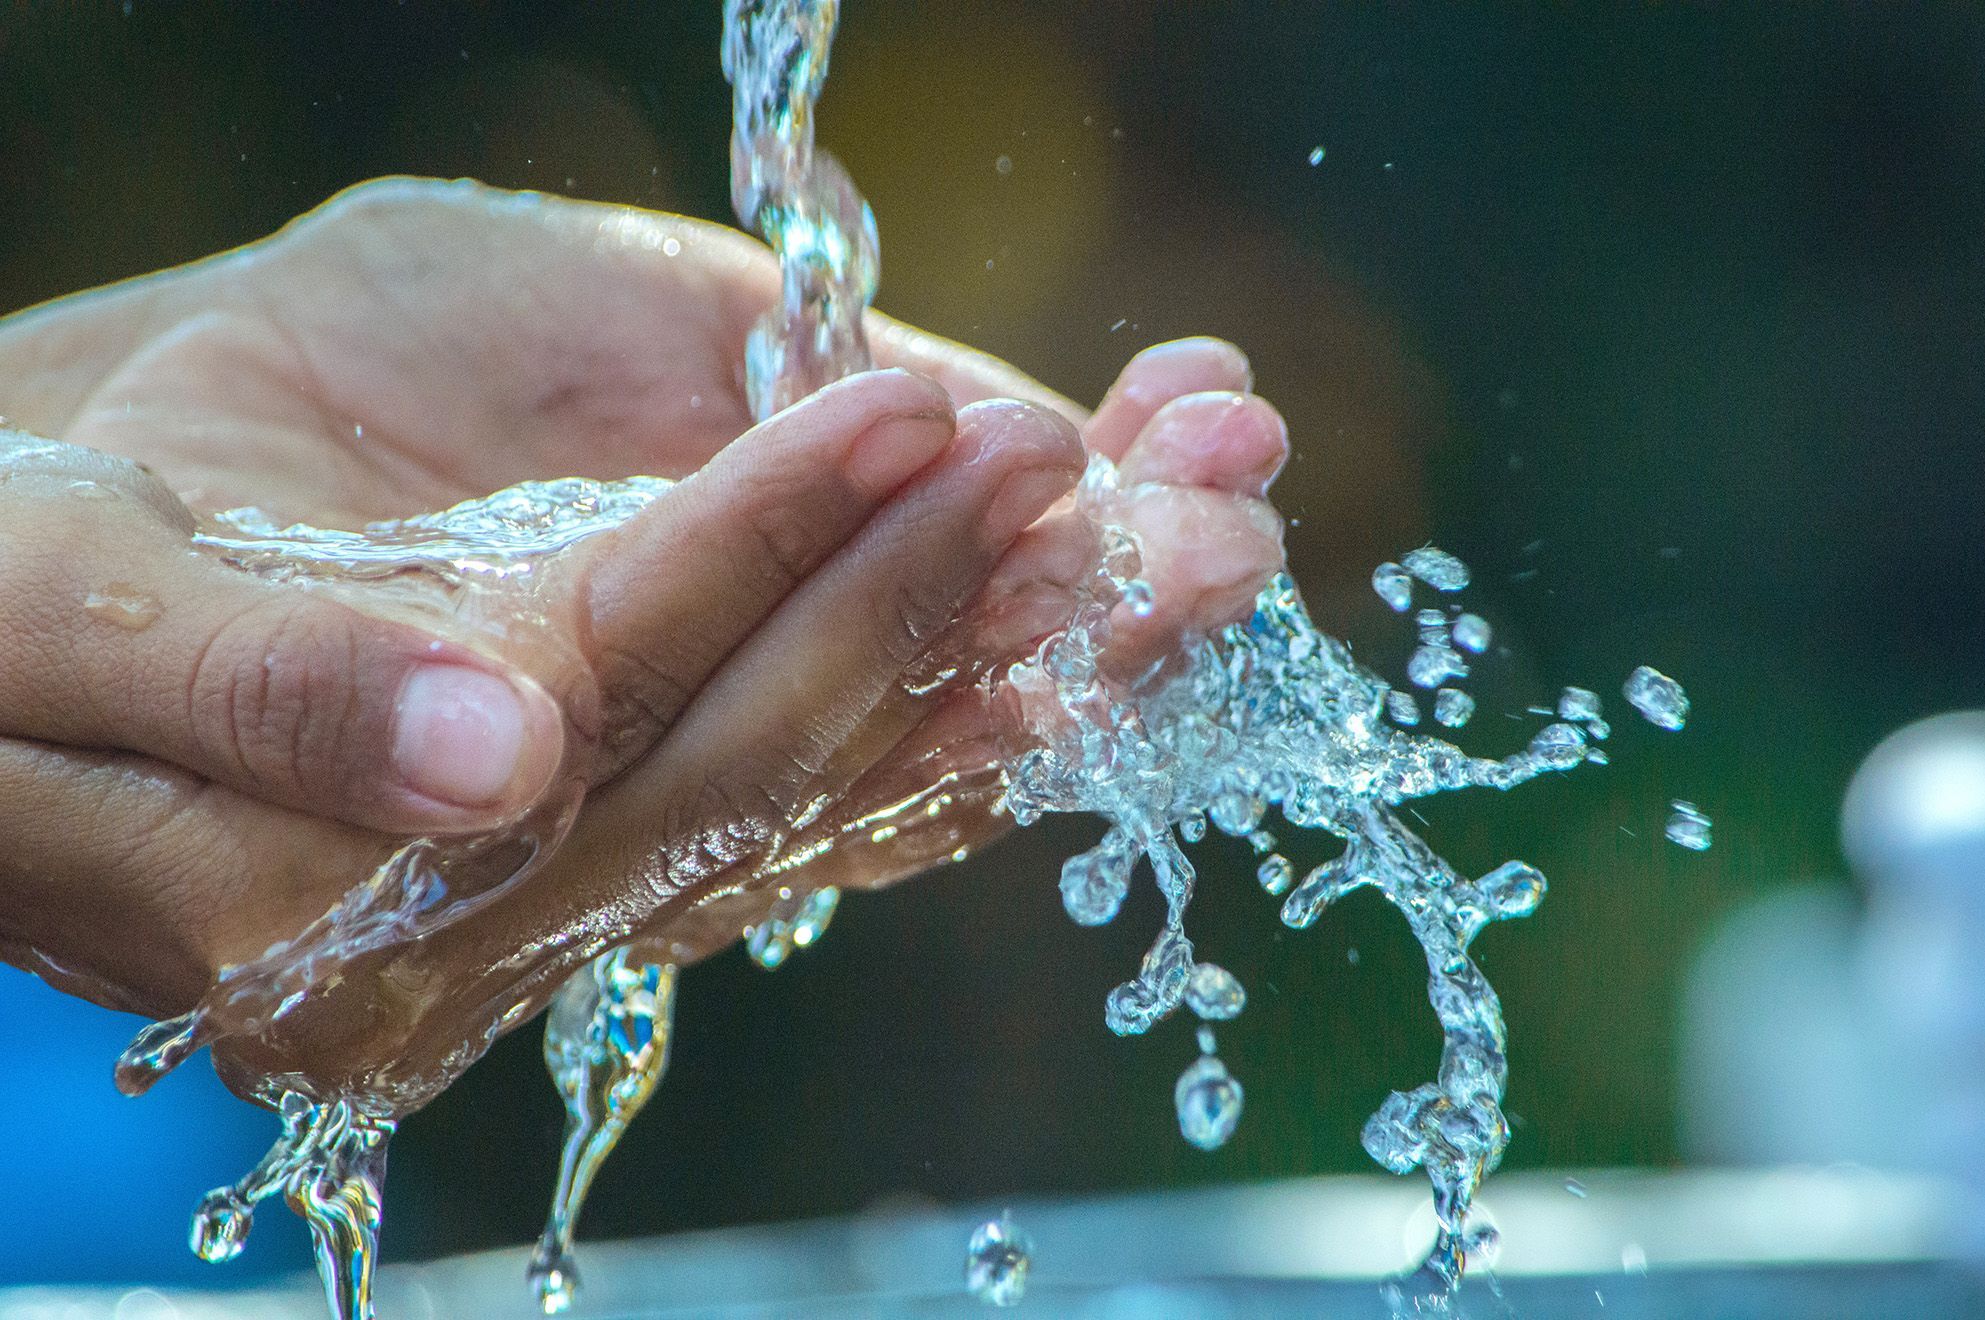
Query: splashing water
x,y
606,1045
329,1165
1271,713
1275,713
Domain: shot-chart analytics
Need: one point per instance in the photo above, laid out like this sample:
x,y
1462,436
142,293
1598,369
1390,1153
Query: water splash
x,y
1274,713
1269,714
329,1164
606,1045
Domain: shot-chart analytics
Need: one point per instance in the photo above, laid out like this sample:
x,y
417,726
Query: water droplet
x,y
1688,826
1402,708
124,605
1452,707
1471,633
1394,586
1316,155
1513,889
1430,666
220,1225
1657,697
1577,703
1236,812
1093,883
1437,568
1276,873
1633,1258
1215,993
556,1284
1137,596
1209,1103
996,1262
1004,165
1576,1188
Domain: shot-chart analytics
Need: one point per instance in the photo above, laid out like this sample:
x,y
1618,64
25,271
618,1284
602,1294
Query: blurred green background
x,y
1668,320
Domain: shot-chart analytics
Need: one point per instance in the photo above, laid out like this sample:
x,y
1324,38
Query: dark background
x,y
1667,320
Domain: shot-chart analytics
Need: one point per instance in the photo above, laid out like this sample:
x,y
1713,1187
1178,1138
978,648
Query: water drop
x,y
1402,708
1437,568
1513,889
1688,826
1430,666
220,1225
1137,596
1471,633
1209,1103
1316,155
1577,703
1004,165
1452,707
124,605
1215,993
1276,873
1576,1188
1394,586
1093,883
1657,697
996,1262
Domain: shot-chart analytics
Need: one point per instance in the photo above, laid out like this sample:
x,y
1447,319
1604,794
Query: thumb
x,y
113,635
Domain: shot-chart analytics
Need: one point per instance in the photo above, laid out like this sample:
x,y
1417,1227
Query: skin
x,y
735,680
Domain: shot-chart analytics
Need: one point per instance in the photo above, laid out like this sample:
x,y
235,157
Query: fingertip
x,y
1034,454
1226,441
1158,375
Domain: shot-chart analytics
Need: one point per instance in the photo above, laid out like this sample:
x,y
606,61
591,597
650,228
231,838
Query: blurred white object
x,y
1817,1031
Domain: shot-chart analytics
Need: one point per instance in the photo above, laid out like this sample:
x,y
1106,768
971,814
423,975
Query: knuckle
x,y
273,692
909,614
783,535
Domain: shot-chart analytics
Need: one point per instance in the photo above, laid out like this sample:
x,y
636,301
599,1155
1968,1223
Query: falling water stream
x,y
1271,714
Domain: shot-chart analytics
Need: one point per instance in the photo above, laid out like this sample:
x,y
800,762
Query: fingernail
x,y
893,450
459,734
1185,366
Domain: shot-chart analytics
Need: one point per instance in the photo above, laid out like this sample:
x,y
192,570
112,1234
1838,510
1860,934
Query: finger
x,y
1205,554
783,723
820,687
968,375
1154,378
114,635
673,592
132,882
1216,439
695,819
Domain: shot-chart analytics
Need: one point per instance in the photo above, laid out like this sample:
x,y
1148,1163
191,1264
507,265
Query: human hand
x,y
473,340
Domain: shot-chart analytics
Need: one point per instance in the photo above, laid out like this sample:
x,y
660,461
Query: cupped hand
x,y
178,797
